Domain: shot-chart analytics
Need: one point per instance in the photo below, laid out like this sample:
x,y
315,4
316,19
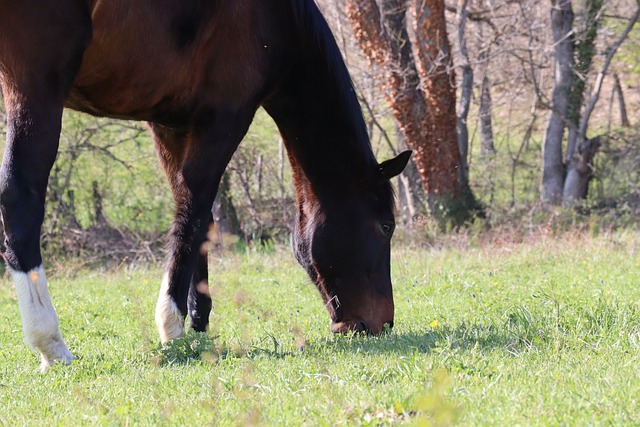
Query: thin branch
x,y
584,122
374,121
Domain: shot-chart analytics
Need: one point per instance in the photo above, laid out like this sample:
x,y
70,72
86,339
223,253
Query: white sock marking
x,y
169,320
39,320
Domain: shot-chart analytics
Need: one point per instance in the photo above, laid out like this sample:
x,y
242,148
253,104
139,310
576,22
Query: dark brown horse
x,y
196,71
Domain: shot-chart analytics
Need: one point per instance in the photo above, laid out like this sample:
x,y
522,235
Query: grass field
x,y
544,332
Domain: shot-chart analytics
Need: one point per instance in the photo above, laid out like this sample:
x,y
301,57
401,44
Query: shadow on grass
x,y
463,337
194,347
191,347
519,332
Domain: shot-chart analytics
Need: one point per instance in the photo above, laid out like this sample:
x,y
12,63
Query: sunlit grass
x,y
539,334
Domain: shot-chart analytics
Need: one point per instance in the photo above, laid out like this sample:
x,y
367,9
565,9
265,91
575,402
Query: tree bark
x,y
553,168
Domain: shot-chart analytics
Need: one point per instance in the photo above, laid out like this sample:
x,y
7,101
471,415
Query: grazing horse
x,y
196,71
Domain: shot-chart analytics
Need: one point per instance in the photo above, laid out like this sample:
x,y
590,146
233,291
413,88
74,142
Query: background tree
x,y
566,180
418,84
484,105
553,171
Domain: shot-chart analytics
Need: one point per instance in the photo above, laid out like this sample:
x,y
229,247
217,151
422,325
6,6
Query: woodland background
x,y
497,73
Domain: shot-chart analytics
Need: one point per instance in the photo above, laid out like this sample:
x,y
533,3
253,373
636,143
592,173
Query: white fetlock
x,y
169,320
39,320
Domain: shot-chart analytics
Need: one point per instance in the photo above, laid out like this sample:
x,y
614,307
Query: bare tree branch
x,y
584,122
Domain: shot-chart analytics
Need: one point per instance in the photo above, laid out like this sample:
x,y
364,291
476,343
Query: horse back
x,y
164,61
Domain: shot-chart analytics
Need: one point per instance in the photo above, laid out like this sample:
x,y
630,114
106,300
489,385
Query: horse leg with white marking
x,y
194,160
34,88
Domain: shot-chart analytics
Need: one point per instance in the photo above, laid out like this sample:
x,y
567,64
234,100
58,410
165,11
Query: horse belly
x,y
129,81
107,92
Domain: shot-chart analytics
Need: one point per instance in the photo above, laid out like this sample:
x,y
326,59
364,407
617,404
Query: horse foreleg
x,y
41,48
32,139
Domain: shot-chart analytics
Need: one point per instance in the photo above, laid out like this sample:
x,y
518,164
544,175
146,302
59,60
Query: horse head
x,y
343,241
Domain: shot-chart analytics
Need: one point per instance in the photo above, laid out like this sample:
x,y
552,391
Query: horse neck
x,y
322,126
316,109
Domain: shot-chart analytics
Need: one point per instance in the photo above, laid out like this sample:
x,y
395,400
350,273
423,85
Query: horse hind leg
x,y
169,315
36,76
171,145
194,173
199,300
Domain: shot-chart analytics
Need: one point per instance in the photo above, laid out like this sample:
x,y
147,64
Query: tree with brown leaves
x,y
419,84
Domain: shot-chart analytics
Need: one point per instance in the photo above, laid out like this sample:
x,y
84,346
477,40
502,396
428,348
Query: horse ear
x,y
393,167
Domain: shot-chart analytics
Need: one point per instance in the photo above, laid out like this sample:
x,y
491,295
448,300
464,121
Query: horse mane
x,y
314,32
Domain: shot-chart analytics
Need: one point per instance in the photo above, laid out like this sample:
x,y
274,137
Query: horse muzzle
x,y
361,327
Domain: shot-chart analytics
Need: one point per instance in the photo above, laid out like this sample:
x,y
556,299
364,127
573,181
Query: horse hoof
x,y
57,352
46,363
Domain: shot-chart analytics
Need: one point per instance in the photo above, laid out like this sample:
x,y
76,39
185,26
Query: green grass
x,y
545,332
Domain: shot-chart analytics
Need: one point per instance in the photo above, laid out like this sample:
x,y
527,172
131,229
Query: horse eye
x,y
388,228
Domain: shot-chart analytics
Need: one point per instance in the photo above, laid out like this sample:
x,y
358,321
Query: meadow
x,y
537,331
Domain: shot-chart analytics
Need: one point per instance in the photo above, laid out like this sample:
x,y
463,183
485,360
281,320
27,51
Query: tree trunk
x,y
466,88
420,93
585,49
486,127
553,169
580,171
224,211
99,218
580,150
410,192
